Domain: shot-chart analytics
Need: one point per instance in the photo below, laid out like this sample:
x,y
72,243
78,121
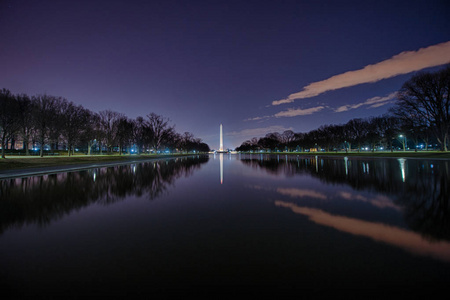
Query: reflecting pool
x,y
227,221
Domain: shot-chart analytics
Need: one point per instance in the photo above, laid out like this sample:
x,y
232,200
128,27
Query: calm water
x,y
227,221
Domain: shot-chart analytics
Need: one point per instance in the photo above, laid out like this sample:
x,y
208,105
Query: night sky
x,y
255,66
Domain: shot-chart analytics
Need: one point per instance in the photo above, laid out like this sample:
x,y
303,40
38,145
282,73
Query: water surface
x,y
228,221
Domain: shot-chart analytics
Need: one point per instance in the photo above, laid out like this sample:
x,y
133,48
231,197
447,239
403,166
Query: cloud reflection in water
x,y
405,239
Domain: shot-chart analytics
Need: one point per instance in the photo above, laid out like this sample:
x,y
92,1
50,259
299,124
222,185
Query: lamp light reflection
x,y
402,168
346,165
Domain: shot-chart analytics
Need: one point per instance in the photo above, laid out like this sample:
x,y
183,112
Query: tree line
x,y
420,116
46,121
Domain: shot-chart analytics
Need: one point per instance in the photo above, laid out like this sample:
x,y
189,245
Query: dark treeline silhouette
x,y
43,199
424,198
53,123
377,133
420,117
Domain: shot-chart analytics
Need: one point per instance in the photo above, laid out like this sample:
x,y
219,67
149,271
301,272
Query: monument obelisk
x,y
221,155
221,139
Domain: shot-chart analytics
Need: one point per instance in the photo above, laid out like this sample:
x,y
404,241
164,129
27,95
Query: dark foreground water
x,y
221,223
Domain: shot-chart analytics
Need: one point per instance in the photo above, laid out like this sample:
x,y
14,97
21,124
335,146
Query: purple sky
x,y
255,66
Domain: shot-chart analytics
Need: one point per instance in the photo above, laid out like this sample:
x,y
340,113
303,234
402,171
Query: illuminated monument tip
x,y
221,139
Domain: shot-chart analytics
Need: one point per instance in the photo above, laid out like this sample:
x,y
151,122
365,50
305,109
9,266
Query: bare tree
x,y
44,115
389,126
109,121
186,141
89,135
374,132
139,129
287,137
270,142
8,117
98,135
356,131
159,129
74,124
125,128
332,136
169,138
427,96
25,119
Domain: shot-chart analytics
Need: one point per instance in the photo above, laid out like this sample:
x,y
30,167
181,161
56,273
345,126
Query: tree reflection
x,y
42,199
421,187
426,201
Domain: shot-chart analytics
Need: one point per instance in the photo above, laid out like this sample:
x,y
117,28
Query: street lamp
x,y
403,140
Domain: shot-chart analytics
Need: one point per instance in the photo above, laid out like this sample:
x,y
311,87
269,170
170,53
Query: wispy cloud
x,y
290,112
293,112
258,131
257,118
371,102
403,63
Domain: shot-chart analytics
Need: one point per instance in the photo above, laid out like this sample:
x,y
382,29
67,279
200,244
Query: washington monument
x,y
221,139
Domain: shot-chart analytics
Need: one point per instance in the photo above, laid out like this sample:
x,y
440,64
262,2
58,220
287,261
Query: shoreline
x,y
20,166
16,167
413,155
